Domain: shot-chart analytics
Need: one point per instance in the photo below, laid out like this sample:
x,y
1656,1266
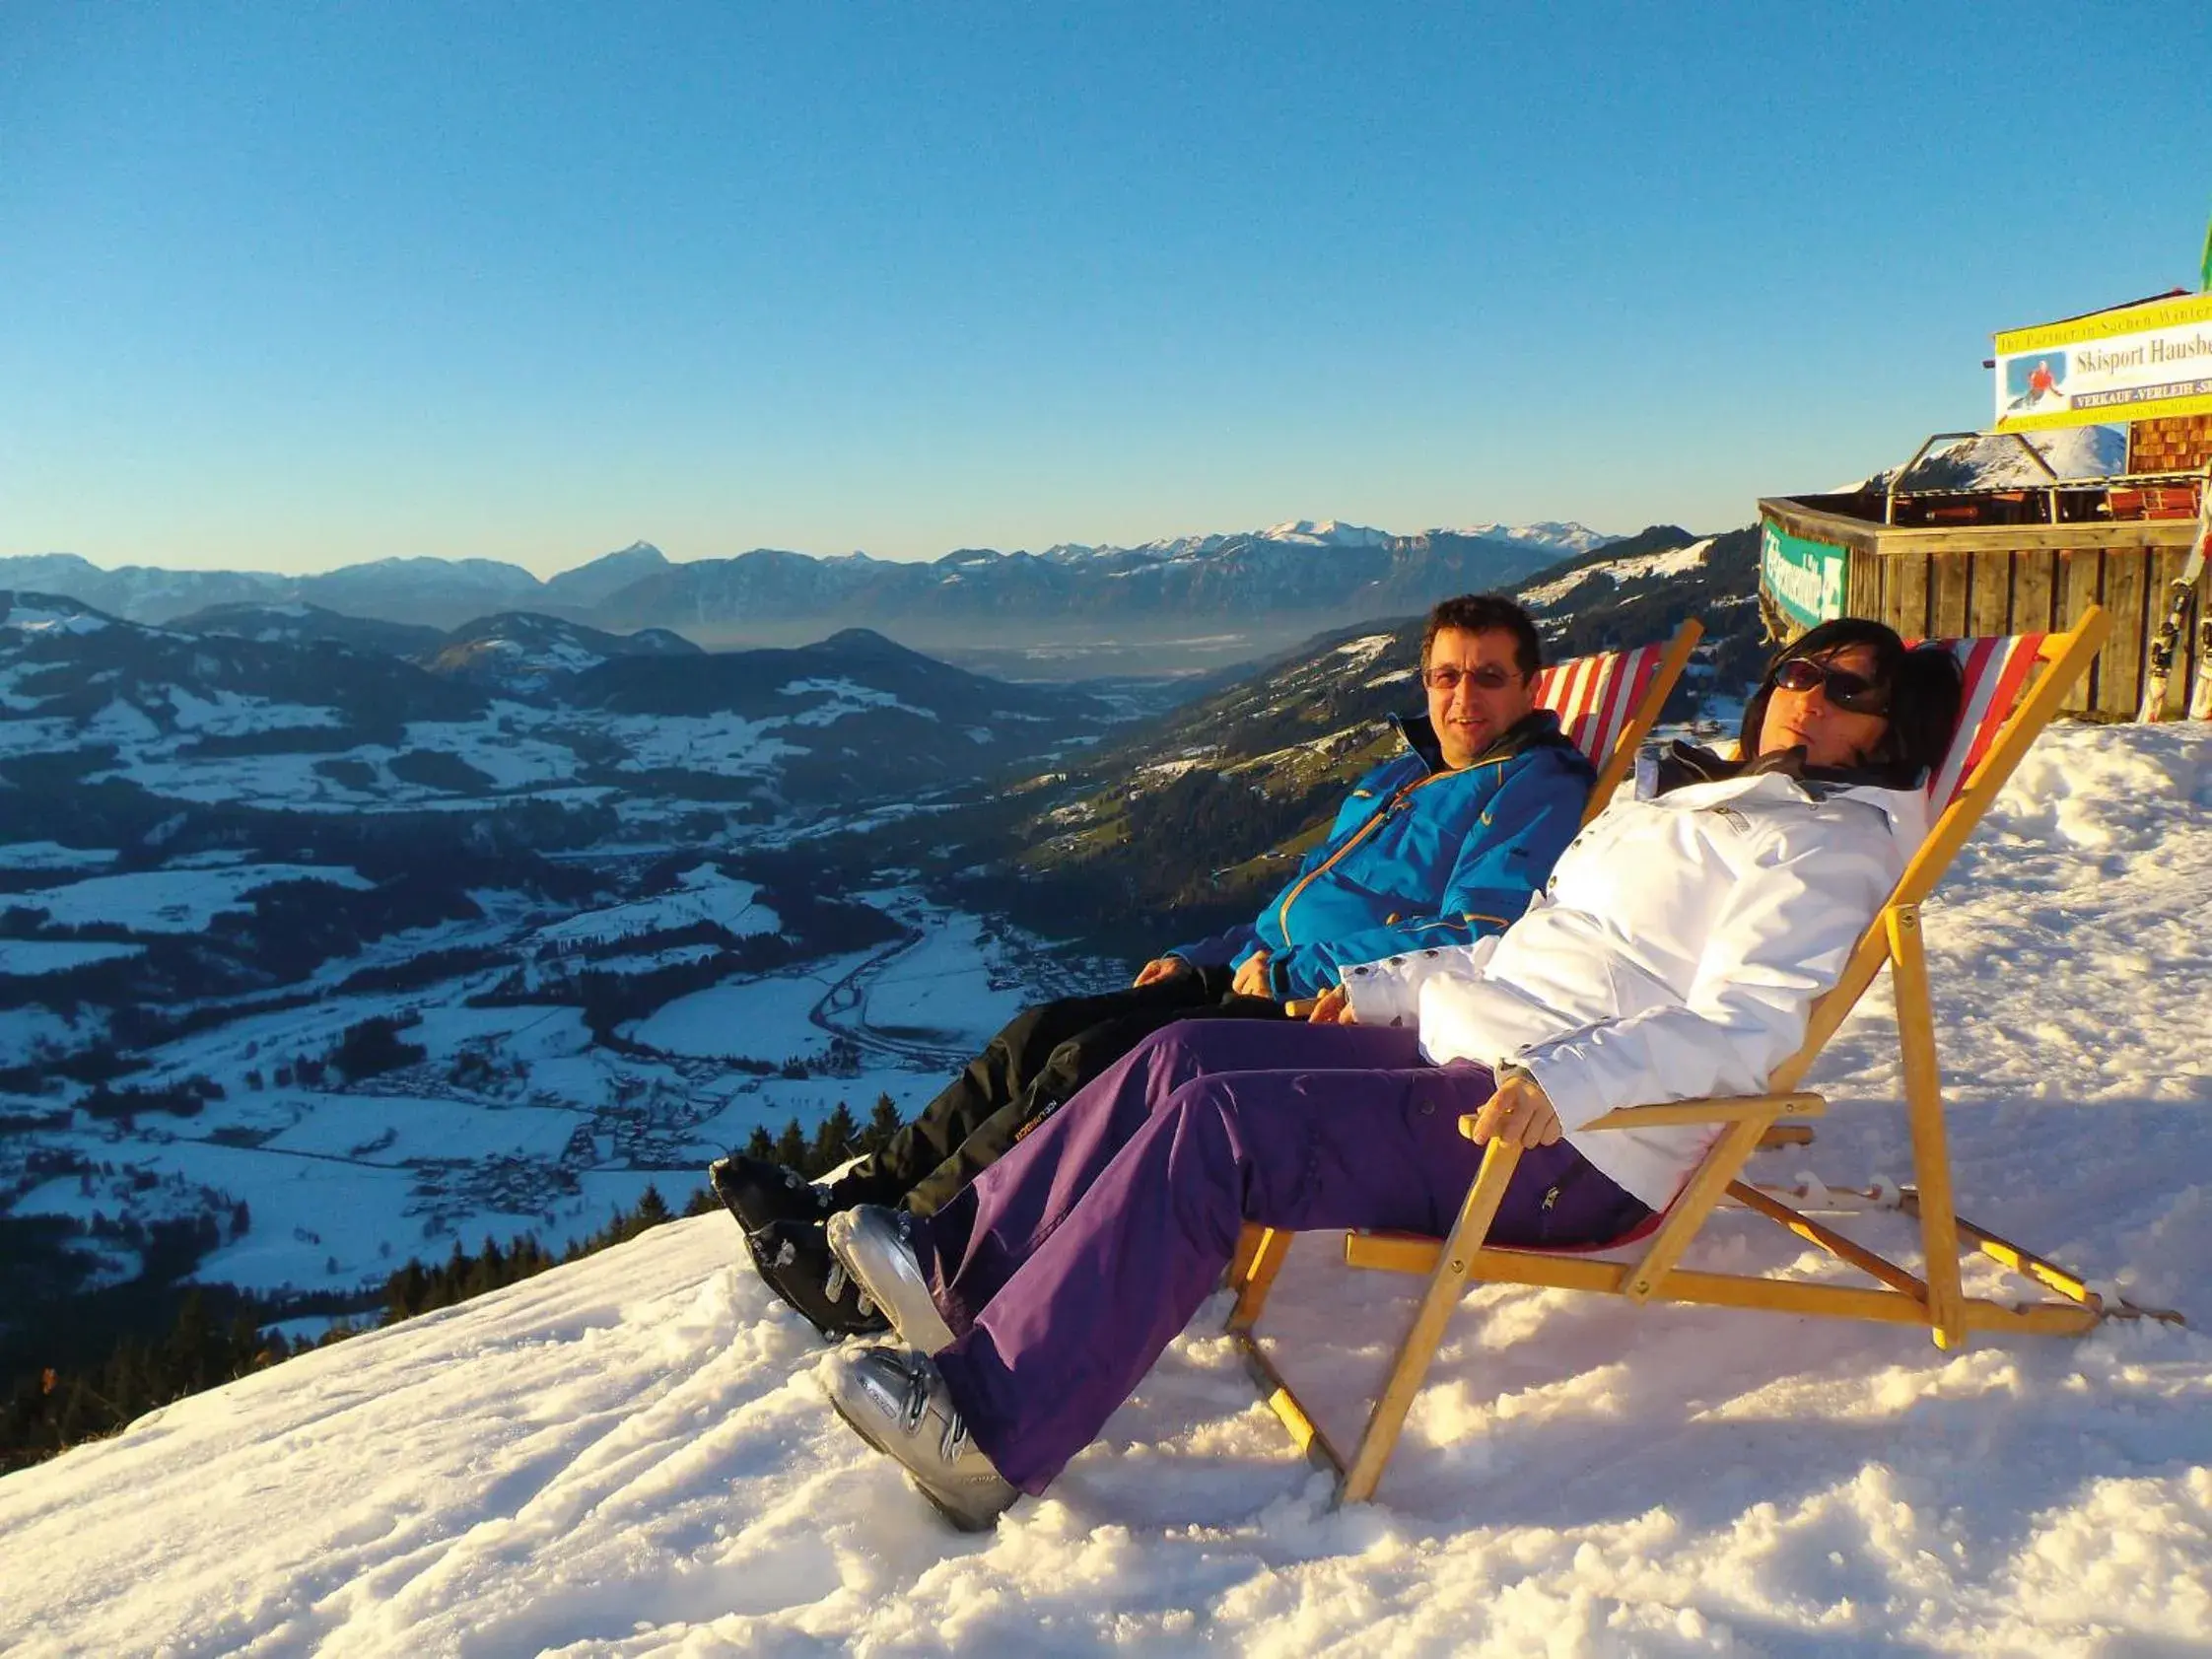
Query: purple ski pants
x,y
1068,1265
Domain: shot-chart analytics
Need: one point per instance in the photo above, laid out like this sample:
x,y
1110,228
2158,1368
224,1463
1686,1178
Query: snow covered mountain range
x,y
292,709
1297,570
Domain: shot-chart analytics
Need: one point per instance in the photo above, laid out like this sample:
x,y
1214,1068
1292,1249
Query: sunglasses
x,y
1846,690
1445,678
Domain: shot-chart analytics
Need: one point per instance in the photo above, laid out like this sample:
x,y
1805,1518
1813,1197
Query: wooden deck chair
x,y
2001,718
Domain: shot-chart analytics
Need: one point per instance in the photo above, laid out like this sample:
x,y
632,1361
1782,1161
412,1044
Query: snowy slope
x,y
1672,562
629,1456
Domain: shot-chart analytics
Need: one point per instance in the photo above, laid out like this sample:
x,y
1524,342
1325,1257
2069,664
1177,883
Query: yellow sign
x,y
2133,364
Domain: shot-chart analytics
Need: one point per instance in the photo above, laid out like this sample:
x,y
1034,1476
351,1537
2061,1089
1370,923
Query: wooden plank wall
x,y
2027,579
2081,584
2026,591
1864,594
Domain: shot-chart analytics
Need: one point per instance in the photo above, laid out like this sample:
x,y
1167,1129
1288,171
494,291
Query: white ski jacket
x,y
1676,952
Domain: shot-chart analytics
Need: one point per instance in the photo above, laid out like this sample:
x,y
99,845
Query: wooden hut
x,y
1946,562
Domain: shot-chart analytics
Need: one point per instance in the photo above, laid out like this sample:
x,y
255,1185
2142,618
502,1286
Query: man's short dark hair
x,y
1484,613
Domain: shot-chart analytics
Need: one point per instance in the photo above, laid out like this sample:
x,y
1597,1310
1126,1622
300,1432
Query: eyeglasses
x,y
1446,677
1846,690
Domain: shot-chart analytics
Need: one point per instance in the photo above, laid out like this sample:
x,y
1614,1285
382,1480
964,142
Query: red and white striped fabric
x,y
1594,695
1996,671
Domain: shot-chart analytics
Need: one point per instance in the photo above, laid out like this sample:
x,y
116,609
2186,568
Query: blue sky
x,y
286,286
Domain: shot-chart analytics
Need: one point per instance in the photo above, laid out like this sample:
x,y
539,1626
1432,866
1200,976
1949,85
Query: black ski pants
x,y
1043,1056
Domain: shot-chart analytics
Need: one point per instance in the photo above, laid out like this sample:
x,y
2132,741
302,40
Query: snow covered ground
x,y
173,900
704,894
630,1456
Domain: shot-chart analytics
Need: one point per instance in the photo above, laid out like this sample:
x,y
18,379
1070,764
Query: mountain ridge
x,y
1292,566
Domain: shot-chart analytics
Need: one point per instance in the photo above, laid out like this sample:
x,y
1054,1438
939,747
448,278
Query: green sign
x,y
1804,580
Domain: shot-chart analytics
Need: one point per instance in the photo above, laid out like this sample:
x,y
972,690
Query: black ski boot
x,y
795,1261
759,1192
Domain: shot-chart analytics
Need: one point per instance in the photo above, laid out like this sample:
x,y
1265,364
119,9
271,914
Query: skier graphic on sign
x,y
2036,384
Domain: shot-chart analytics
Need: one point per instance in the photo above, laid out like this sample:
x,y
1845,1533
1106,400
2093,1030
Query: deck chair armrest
x,y
1715,1109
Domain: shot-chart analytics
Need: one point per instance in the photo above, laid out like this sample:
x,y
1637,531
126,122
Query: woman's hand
x,y
1333,1007
1159,968
1519,1113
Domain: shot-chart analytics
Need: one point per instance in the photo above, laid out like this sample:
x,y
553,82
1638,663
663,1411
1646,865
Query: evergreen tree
x,y
487,1273
884,1123
451,1277
183,1358
833,1139
244,1345
406,1292
790,1146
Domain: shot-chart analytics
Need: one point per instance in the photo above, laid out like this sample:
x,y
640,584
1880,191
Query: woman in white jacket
x,y
1675,952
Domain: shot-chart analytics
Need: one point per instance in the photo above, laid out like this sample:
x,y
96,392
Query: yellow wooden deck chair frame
x,y
1932,1297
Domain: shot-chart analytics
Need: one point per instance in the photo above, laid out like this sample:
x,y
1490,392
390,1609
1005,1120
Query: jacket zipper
x,y
1390,808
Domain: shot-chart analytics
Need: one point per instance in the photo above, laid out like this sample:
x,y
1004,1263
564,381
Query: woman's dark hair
x,y
1924,685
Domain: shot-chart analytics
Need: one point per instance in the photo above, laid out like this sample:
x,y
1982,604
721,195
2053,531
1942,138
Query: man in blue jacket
x,y
1440,844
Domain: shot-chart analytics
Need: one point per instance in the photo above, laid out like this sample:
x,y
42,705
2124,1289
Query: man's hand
x,y
1519,1113
1159,968
1252,979
1333,1007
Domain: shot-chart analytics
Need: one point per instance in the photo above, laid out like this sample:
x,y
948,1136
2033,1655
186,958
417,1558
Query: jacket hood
x,y
1537,730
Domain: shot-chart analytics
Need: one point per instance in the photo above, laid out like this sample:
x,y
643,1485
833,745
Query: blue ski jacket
x,y
1419,855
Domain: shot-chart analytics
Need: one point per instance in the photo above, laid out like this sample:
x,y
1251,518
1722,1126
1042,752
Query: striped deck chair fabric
x,y
1995,673
1594,695
1608,701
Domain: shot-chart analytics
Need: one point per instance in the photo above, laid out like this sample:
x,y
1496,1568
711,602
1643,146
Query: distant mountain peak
x,y
1567,534
1325,532
863,640
596,579
636,554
